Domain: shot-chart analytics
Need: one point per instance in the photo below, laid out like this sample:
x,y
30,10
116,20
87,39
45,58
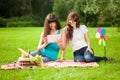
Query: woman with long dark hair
x,y
78,36
49,50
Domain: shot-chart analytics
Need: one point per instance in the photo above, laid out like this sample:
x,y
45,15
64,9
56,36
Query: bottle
x,y
28,56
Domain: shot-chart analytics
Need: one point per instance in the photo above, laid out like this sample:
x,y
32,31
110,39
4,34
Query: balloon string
x,y
105,53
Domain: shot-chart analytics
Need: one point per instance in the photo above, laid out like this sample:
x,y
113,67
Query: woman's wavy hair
x,y
69,29
50,18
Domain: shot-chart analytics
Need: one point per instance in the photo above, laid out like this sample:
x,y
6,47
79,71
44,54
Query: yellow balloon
x,y
97,35
99,41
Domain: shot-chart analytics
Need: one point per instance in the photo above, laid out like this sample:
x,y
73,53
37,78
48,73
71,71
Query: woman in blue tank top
x,y
49,51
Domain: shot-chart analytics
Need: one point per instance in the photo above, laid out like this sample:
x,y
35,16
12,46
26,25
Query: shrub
x,y
116,22
3,22
25,21
105,24
23,24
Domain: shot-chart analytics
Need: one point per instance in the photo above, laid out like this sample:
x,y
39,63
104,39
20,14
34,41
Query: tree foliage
x,y
10,8
60,8
92,12
41,7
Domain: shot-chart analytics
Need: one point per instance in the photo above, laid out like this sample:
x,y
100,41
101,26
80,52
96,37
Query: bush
x,y
39,19
105,24
24,21
116,22
3,22
23,18
23,24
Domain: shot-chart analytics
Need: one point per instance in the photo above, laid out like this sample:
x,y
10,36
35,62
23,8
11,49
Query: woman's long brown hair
x,y
50,18
69,29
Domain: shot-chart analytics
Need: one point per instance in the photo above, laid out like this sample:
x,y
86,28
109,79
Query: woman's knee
x,y
46,59
88,56
37,52
79,59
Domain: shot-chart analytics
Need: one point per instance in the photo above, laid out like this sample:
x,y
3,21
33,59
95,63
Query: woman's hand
x,y
62,58
89,49
60,44
45,41
58,41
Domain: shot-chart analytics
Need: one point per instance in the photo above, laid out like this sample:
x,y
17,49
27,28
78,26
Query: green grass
x,y
28,38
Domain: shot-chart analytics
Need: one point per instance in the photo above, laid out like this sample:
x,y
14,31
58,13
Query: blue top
x,y
52,49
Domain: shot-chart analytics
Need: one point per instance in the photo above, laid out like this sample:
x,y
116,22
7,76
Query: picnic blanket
x,y
69,63
53,64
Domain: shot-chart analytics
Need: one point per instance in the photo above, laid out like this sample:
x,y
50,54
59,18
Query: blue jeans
x,y
44,58
82,55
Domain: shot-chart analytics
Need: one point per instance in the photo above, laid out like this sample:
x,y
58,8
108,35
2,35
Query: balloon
x,y
103,32
105,37
99,30
99,41
101,35
97,35
103,41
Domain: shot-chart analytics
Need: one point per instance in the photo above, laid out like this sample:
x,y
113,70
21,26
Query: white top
x,y
78,40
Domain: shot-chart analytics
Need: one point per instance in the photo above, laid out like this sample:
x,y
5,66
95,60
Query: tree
x,y
88,11
109,12
10,8
42,7
79,6
61,9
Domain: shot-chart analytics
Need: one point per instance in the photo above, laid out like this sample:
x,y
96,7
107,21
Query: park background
x,y
21,23
25,13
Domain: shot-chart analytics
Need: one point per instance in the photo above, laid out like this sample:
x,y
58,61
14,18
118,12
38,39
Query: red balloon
x,y
105,37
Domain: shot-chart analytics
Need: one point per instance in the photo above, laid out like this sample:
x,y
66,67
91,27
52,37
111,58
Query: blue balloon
x,y
103,32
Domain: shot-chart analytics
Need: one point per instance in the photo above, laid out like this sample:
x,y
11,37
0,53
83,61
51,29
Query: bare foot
x,y
111,59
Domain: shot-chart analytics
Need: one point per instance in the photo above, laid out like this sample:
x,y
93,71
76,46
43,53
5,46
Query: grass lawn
x,y
28,38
